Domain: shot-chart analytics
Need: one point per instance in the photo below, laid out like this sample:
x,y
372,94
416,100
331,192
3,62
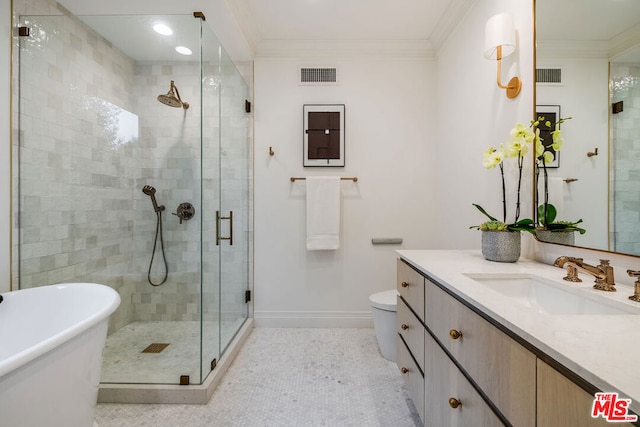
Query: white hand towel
x,y
323,213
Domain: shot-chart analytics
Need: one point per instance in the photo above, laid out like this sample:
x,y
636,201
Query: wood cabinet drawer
x,y
413,379
412,331
411,287
443,381
503,369
562,403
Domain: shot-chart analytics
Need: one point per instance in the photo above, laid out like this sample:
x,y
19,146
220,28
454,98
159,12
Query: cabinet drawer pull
x,y
404,284
404,327
404,370
454,403
455,334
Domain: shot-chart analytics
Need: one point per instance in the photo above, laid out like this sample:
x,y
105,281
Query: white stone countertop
x,y
602,349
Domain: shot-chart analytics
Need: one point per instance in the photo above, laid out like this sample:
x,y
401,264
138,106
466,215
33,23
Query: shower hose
x,y
153,253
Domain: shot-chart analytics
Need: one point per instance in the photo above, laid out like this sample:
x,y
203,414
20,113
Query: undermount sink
x,y
548,297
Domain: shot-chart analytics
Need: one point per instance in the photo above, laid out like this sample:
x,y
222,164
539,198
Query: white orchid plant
x,y
517,147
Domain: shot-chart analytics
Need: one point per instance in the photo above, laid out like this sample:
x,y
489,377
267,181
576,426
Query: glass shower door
x,y
235,191
210,51
226,199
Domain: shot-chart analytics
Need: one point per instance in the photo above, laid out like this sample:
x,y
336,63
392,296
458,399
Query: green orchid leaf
x,y
484,212
551,214
525,221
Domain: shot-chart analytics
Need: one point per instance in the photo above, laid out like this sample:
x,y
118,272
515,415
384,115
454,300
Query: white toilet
x,y
383,309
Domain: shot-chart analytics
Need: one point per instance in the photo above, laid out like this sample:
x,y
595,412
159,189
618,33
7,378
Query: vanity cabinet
x,y
502,368
412,376
562,403
411,288
450,398
471,370
410,329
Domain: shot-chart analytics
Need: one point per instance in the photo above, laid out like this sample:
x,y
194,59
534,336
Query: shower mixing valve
x,y
185,211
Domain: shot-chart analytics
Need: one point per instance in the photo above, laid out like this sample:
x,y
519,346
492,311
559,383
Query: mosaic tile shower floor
x,y
291,377
124,362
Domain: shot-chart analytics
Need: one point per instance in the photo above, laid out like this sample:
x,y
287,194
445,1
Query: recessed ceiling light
x,y
183,50
162,29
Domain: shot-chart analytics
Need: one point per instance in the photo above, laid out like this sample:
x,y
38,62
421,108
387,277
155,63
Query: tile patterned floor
x,y
291,377
124,362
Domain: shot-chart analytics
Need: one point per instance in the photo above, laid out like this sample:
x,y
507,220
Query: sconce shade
x,y
500,42
499,31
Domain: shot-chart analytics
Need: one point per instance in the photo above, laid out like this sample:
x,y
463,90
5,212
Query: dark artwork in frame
x,y
323,135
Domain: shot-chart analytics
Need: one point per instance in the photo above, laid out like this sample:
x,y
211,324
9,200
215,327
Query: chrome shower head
x,y
151,192
172,98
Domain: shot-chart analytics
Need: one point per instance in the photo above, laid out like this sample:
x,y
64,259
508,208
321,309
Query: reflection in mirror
x,y
588,68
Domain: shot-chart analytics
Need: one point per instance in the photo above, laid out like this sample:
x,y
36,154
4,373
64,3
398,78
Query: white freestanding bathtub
x,y
51,342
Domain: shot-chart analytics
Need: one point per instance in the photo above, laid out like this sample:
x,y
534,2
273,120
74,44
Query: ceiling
x,y
343,20
380,27
273,27
589,28
254,28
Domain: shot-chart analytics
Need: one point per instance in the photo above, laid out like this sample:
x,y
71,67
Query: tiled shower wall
x,y
75,183
83,216
625,143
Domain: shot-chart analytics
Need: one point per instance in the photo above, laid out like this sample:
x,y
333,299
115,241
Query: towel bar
x,y
354,179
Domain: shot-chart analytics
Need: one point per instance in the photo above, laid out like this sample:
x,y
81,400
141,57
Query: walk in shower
x,y
113,185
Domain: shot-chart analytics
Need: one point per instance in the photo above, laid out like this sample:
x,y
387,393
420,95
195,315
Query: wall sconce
x,y
500,42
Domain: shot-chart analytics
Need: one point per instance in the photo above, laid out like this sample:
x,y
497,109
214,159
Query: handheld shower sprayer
x,y
151,192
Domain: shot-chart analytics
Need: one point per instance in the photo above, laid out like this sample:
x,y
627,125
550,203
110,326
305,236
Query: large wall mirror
x,y
588,68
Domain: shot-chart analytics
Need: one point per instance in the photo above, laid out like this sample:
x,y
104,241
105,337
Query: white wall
x,y
583,95
474,114
389,147
5,143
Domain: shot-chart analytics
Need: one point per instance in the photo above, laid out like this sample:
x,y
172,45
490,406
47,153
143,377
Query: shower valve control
x,y
185,211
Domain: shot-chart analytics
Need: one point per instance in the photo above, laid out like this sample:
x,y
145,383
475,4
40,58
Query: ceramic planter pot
x,y
562,237
501,246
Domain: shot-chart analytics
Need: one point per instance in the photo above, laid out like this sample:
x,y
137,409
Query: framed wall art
x,y
323,135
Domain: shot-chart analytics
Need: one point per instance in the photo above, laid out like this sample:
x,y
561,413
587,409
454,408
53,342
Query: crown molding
x,y
422,49
418,49
590,49
572,50
624,42
245,22
449,21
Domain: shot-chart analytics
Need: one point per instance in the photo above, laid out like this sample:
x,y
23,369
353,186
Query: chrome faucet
x,y
603,272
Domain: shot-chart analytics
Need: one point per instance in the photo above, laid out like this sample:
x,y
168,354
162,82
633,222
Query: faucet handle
x,y
572,275
633,273
636,285
604,262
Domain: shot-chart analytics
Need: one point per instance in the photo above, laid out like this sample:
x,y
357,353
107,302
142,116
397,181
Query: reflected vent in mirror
x,y
317,76
548,75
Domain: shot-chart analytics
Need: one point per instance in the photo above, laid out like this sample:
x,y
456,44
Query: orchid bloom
x,y
547,157
539,147
492,157
557,139
515,148
522,132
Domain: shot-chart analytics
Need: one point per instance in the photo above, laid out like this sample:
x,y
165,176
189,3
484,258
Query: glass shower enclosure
x,y
132,168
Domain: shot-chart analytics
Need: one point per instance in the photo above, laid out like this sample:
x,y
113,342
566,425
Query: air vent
x,y
549,75
318,76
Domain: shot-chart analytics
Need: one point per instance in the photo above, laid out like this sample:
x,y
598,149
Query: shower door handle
x,y
218,237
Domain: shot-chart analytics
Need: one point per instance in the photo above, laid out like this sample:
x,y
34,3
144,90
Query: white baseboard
x,y
313,319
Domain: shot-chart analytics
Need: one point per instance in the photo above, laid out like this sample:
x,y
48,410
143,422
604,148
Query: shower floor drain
x,y
156,347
